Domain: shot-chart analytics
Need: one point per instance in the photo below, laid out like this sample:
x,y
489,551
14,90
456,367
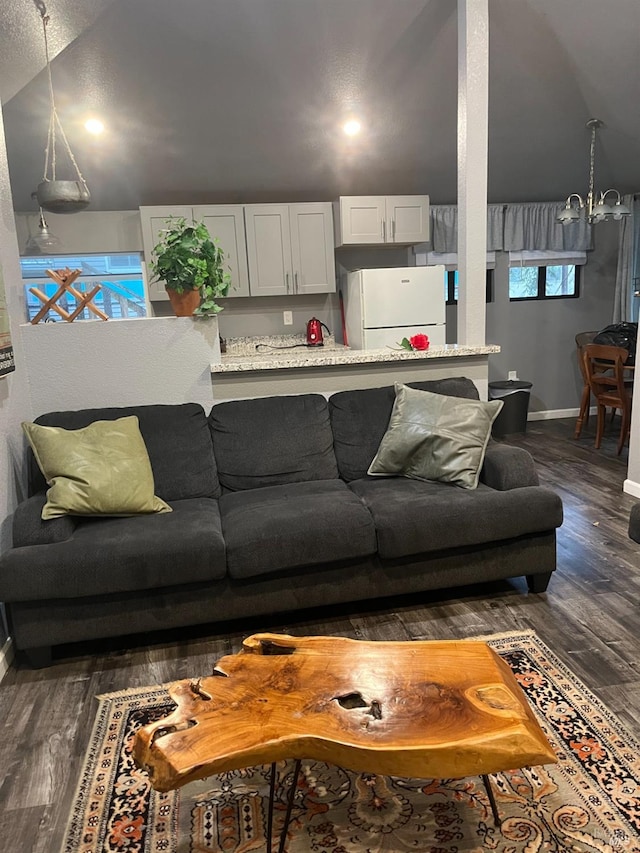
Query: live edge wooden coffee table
x,y
434,709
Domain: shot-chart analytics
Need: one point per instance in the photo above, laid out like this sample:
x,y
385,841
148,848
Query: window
x,y
451,286
552,282
450,261
120,278
548,274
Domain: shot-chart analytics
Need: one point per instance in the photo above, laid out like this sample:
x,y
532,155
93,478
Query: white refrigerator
x,y
383,306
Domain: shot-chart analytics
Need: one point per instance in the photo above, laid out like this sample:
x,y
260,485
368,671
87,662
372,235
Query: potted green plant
x,y
191,265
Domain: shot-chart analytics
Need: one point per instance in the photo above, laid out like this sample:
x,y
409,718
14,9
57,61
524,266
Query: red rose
x,y
419,342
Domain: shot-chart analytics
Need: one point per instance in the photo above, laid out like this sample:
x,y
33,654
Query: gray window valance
x,y
533,226
530,226
444,227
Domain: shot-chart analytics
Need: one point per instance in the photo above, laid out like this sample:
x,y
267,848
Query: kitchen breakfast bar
x,y
261,367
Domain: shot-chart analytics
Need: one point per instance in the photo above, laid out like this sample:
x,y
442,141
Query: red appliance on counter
x,y
314,332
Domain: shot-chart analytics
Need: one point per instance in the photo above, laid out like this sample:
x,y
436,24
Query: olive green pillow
x,y
435,437
102,469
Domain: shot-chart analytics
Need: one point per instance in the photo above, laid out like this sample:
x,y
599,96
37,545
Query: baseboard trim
x,y
6,657
630,487
551,414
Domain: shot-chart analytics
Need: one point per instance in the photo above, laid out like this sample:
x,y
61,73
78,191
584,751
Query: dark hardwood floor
x,y
589,616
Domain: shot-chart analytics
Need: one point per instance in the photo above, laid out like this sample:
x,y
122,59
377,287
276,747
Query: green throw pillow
x,y
101,469
435,437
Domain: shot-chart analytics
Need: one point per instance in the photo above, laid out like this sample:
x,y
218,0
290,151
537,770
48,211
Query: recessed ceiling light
x,y
94,125
351,127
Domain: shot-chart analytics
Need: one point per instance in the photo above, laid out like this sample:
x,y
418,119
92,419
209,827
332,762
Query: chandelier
x,y
595,212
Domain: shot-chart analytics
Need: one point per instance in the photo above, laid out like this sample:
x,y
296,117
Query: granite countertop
x,y
245,354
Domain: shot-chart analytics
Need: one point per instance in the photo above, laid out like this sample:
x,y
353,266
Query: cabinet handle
x,y
295,277
286,278
393,229
384,231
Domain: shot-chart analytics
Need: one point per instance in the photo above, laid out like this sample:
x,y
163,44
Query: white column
x,y
473,102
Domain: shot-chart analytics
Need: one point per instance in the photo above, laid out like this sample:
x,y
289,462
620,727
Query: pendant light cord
x,y
54,119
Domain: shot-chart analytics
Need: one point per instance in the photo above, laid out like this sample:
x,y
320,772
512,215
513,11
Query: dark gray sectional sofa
x,y
272,512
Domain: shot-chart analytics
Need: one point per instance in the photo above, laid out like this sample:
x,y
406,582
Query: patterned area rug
x,y
590,801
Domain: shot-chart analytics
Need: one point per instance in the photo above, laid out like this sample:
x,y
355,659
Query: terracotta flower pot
x,y
185,303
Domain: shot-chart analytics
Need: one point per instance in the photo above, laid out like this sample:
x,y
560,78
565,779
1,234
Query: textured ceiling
x,y
220,101
21,38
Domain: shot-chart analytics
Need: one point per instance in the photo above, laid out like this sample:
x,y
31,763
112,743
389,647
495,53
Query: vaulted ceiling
x,y
242,100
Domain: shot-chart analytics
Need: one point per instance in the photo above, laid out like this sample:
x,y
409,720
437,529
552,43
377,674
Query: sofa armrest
x,y
507,467
30,529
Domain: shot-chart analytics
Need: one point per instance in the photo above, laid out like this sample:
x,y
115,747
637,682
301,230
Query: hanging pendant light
x,y
55,195
42,242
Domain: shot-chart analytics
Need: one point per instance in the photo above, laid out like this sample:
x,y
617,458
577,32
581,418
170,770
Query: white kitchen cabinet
x,y
268,249
290,248
381,220
225,223
153,221
312,247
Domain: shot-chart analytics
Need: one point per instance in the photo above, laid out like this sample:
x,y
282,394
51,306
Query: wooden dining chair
x,y
604,368
582,339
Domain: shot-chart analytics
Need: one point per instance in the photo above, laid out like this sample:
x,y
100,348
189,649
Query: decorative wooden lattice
x,y
65,279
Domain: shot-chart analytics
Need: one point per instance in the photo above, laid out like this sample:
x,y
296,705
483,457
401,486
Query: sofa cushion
x,y
270,441
359,419
435,437
116,555
297,524
414,517
177,440
100,469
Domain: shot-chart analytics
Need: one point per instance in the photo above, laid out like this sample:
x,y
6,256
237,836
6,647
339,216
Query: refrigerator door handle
x,y
422,326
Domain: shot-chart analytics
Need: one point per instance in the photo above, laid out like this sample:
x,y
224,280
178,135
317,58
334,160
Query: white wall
x,y
14,405
96,363
632,483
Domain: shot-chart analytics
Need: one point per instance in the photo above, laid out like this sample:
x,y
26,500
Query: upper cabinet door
x,y
312,248
225,223
153,221
360,220
407,219
268,249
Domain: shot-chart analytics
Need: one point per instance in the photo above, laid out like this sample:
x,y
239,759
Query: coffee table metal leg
x,y
272,788
492,800
292,793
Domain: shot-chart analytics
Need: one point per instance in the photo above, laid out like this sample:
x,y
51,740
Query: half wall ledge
x,y
236,377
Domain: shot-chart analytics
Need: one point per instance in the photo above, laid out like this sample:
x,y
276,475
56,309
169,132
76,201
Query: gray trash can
x,y
515,394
